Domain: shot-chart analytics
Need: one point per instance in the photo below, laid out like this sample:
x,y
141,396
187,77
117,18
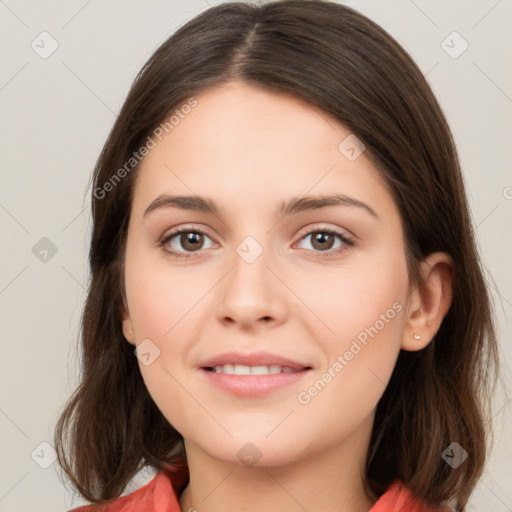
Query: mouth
x,y
240,369
255,363
252,375
253,381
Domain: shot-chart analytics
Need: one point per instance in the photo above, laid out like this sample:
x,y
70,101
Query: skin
x,y
249,149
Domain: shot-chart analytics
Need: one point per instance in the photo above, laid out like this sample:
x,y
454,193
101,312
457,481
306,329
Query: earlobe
x,y
430,301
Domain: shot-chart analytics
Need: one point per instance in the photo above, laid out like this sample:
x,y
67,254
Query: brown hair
x,y
343,63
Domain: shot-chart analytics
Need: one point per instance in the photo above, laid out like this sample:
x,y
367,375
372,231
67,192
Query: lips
x,y
253,375
256,359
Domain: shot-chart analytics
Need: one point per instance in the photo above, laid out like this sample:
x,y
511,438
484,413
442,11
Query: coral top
x,y
161,495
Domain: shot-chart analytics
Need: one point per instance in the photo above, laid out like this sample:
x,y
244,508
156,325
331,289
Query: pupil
x,y
192,239
322,237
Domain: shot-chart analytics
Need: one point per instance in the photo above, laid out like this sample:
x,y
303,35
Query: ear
x,y
127,324
429,301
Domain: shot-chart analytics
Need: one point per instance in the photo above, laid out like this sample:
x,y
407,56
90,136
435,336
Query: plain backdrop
x,y
57,110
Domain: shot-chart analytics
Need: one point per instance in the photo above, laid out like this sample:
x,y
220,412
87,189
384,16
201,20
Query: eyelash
x,y
321,254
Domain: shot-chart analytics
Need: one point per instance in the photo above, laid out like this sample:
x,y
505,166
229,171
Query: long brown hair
x,y
347,66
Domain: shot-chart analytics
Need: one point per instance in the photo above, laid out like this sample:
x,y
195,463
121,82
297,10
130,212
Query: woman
x,y
287,309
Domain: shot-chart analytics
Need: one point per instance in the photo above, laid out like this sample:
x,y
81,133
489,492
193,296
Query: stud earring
x,y
417,337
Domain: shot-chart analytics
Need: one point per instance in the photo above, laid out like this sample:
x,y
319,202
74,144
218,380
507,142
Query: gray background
x,y
56,114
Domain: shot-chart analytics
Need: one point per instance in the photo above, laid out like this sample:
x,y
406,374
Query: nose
x,y
251,294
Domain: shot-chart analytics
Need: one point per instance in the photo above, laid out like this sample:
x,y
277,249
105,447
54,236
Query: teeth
x,y
240,369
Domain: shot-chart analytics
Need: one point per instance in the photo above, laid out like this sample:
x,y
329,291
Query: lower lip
x,y
254,385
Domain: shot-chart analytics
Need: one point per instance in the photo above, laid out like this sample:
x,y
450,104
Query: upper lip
x,y
252,359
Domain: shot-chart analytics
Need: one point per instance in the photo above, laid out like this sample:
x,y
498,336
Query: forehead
x,y
249,146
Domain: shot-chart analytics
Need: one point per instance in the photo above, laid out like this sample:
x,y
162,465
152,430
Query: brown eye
x,y
323,240
191,241
184,241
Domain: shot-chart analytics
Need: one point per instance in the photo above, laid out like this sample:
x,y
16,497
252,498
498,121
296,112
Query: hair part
x,y
351,69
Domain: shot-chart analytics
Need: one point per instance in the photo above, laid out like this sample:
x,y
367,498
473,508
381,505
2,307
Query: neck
x,y
328,481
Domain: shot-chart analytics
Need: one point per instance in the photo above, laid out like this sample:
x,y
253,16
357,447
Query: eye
x,y
322,240
191,240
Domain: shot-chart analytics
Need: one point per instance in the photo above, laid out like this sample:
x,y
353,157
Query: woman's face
x,y
258,277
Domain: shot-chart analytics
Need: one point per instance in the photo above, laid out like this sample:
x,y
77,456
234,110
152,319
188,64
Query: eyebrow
x,y
293,205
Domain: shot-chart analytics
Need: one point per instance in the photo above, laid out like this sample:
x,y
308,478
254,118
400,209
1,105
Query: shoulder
x,y
145,498
398,498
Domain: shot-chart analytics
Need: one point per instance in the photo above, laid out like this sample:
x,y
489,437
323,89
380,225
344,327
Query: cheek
x,y
355,296
164,302
360,311
159,294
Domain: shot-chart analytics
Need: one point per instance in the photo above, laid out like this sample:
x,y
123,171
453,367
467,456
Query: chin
x,y
254,450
